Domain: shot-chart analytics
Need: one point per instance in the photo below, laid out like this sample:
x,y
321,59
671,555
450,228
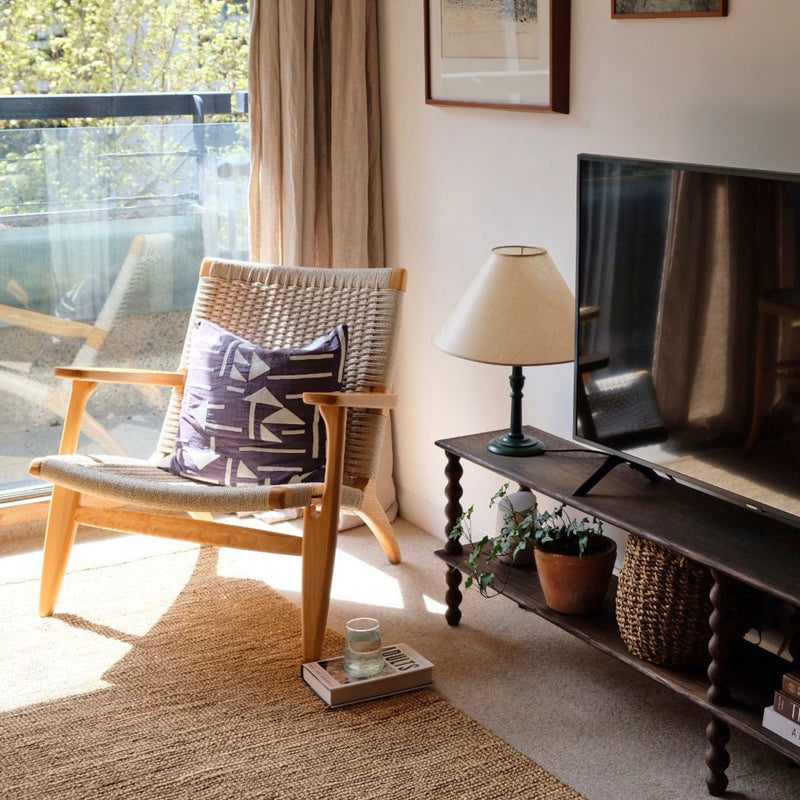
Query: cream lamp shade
x,y
517,311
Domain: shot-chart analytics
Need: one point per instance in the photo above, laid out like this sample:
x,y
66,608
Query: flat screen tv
x,y
688,340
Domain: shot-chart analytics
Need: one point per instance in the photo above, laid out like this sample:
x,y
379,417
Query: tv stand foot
x,y
453,597
717,758
606,467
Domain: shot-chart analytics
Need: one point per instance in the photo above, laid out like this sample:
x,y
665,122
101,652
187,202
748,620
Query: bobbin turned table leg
x,y
717,758
453,492
453,597
720,646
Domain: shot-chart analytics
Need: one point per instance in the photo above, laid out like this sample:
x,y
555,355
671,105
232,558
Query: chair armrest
x,y
85,381
122,375
376,399
333,407
33,320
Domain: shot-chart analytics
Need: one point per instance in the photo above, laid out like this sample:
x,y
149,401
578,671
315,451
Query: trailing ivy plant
x,y
553,531
557,532
512,539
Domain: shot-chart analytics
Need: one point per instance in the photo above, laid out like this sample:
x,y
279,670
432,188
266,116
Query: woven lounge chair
x,y
143,280
273,308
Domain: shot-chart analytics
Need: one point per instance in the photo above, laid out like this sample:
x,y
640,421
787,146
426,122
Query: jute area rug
x,y
161,678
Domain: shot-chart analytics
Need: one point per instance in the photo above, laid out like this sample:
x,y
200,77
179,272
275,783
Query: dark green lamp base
x,y
515,442
510,445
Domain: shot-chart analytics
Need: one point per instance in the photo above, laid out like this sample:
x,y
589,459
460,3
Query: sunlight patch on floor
x,y
353,580
96,621
90,552
76,667
433,606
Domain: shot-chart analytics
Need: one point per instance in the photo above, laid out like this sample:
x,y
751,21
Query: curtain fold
x,y
316,188
729,241
601,220
316,192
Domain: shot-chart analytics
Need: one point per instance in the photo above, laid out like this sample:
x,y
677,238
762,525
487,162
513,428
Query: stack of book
x,y
403,670
783,716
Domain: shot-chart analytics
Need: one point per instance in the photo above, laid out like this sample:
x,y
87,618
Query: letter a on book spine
x,y
782,726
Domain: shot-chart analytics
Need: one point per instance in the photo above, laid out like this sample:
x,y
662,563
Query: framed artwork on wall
x,y
498,54
635,9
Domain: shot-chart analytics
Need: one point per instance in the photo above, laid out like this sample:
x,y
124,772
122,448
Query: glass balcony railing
x,y
102,232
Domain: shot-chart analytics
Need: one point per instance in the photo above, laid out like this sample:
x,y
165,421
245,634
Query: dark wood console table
x,y
736,544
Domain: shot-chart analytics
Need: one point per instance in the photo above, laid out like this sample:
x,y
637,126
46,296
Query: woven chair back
x,y
277,307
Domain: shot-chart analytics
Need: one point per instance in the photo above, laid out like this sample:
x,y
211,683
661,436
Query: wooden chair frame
x,y
80,497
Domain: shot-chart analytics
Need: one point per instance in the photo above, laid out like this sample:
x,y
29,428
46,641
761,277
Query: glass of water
x,y
363,654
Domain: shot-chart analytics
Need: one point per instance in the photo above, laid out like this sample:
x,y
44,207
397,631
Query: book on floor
x,y
782,726
404,669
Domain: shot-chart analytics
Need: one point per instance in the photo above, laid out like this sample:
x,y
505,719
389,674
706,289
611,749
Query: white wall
x,y
460,181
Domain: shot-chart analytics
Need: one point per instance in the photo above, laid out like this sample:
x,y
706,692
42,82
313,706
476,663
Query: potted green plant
x,y
574,558
513,538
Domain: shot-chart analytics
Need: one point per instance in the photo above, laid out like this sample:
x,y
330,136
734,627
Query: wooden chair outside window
x,y
272,308
145,277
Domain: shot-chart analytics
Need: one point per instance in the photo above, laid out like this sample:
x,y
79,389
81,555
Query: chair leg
x,y
319,552
374,516
59,536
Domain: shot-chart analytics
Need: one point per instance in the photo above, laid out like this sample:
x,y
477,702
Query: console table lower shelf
x,y
740,679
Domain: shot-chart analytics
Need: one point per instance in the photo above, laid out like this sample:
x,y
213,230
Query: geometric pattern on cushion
x,y
243,419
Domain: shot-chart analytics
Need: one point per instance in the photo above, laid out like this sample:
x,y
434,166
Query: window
x,y
85,180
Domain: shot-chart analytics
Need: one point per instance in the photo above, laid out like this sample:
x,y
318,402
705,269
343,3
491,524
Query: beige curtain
x,y
315,191
316,188
729,241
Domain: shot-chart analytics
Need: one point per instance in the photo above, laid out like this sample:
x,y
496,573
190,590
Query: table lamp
x,y
517,311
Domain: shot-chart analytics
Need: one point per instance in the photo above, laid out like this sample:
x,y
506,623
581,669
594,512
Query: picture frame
x,y
513,54
644,9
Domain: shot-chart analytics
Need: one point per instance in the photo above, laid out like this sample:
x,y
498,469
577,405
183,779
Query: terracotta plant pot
x,y
573,584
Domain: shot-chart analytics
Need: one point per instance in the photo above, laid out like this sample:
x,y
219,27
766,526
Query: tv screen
x,y
688,341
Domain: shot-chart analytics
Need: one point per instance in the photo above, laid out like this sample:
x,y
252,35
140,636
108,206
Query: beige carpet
x,y
598,725
162,677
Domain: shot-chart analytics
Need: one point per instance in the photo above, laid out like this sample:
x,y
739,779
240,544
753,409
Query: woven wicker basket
x,y
663,605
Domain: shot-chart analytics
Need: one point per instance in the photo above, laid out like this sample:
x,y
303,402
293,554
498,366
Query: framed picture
x,y
633,9
498,54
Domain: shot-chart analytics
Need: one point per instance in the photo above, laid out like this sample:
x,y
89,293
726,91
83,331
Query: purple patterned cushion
x,y
243,419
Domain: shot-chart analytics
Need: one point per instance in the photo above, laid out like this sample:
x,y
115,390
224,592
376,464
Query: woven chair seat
x,y
138,482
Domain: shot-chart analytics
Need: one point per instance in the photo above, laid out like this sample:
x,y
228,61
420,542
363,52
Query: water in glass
x,y
363,654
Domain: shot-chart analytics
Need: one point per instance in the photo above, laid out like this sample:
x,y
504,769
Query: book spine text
x,y
787,706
